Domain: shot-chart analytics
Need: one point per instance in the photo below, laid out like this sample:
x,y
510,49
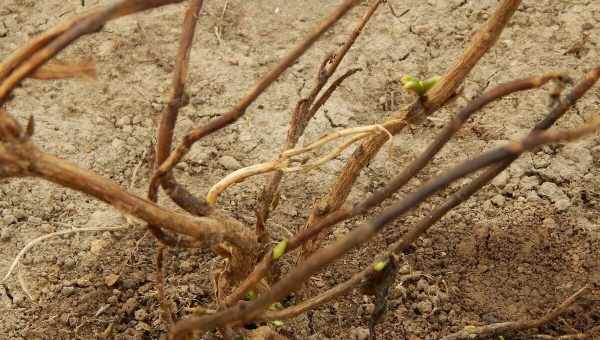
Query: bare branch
x,y
167,314
410,171
473,332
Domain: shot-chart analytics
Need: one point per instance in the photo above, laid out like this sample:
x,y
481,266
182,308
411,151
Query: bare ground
x,y
513,251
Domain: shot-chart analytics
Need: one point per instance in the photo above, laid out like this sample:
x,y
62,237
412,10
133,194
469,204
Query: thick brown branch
x,y
167,124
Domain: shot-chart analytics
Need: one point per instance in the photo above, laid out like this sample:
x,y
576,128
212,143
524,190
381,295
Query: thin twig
x,y
305,111
282,164
160,278
473,332
48,236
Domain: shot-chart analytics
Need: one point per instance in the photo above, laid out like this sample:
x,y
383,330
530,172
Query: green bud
x,y
250,295
415,86
429,83
406,79
279,249
379,266
276,306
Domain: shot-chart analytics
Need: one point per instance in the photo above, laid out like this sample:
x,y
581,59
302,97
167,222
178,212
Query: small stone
x,y
129,283
229,163
443,296
111,279
34,220
422,285
142,326
424,307
359,334
129,306
554,194
123,121
200,154
67,291
529,182
498,200
46,228
118,144
187,266
20,214
532,196
4,234
562,204
96,246
501,180
140,314
399,292
404,269
69,263
9,219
